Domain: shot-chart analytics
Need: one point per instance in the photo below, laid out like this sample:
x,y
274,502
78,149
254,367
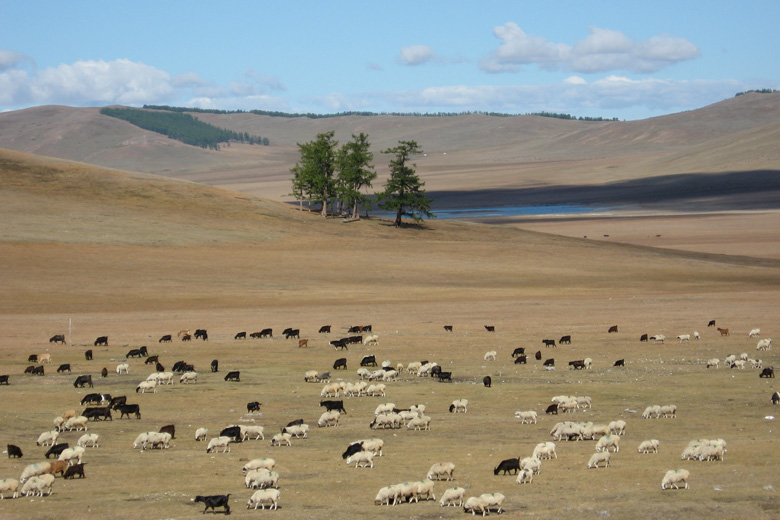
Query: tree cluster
x,y
182,127
335,178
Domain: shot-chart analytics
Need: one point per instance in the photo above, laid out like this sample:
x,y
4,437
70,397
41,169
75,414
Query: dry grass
x,y
189,257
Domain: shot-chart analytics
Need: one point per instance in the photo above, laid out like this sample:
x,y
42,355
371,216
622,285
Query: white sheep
x,y
363,373
754,333
376,375
38,486
9,485
143,386
684,337
659,338
156,440
88,440
608,441
281,439
264,462
594,431
743,356
387,494
76,423
459,405
362,459
373,339
72,454
545,450
373,445
756,363
252,431
696,334
584,402
493,500
441,471
675,477
617,427
650,411
714,362
219,442
261,478
311,376
490,356
123,368
376,390
566,430
453,497
200,434
188,377
532,464
599,457
299,431
588,362
475,504
140,441
263,496
33,470
331,390
668,410
738,364
390,375
165,378
764,344
526,417
413,367
329,418
384,409
424,489
650,446
419,423
525,476
407,415
419,408
48,438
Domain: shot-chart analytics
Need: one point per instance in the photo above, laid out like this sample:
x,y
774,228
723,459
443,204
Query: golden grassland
x,y
134,257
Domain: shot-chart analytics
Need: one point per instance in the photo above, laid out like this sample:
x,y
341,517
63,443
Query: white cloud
x,y
575,80
13,59
417,54
601,51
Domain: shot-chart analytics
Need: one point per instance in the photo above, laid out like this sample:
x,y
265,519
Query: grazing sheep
x,y
650,446
419,423
588,363
330,418
584,402
617,427
48,438
261,478
123,368
675,477
153,440
529,417
545,450
567,430
332,390
599,457
475,504
607,442
658,338
532,464
9,485
754,333
143,386
493,500
684,337
440,470
424,489
389,375
525,476
188,377
364,458
764,344
650,411
490,356
459,405
668,410
310,376
219,442
373,445
387,494
38,486
696,335
263,496
71,454
452,497
200,434
738,364
385,408
88,440
281,439
264,462
247,432
413,367
376,390
363,373
34,470
299,431
714,362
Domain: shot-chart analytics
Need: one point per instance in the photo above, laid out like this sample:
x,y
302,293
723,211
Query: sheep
x,y
264,462
219,442
729,360
363,373
200,434
474,504
529,417
424,488
743,356
330,418
262,496
413,367
310,376
331,390
261,478
493,500
617,427
714,362
384,409
650,411
566,430
756,363
696,335
532,464
754,333
419,408
373,339
34,470
568,406
545,450
592,431
389,375
377,390
48,438
452,497
297,430
599,457
407,415
607,442
668,410
143,386
419,423
441,469
588,363
281,439
88,440
584,402
252,431
459,405
387,494
152,439
364,458
650,446
675,477
36,486
71,454
764,344
525,476
490,356
373,445
738,364
9,485
188,377
658,338
684,337
140,441
123,368
376,375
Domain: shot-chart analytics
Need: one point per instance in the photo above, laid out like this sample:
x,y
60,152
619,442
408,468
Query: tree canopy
x,y
404,194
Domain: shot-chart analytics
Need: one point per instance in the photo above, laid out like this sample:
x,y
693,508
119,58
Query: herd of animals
x,y
37,479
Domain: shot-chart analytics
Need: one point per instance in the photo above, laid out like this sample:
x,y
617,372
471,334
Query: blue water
x,y
511,211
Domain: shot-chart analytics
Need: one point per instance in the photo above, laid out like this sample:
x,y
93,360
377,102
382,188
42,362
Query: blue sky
x,y
622,59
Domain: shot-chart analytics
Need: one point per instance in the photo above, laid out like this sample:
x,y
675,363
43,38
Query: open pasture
x,y
314,480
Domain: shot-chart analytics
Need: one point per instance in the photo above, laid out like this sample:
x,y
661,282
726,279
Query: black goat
x,y
214,501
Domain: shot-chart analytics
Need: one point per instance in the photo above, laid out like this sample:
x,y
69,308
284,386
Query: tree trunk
x,y
324,211
398,219
355,211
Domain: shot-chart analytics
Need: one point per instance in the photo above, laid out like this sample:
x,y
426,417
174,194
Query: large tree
x,y
355,172
313,174
404,193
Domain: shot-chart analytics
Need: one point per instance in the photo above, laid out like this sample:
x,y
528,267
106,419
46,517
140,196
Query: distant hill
x,y
464,153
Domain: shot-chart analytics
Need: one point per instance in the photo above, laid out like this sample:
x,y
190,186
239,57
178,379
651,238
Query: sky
x,y
614,59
